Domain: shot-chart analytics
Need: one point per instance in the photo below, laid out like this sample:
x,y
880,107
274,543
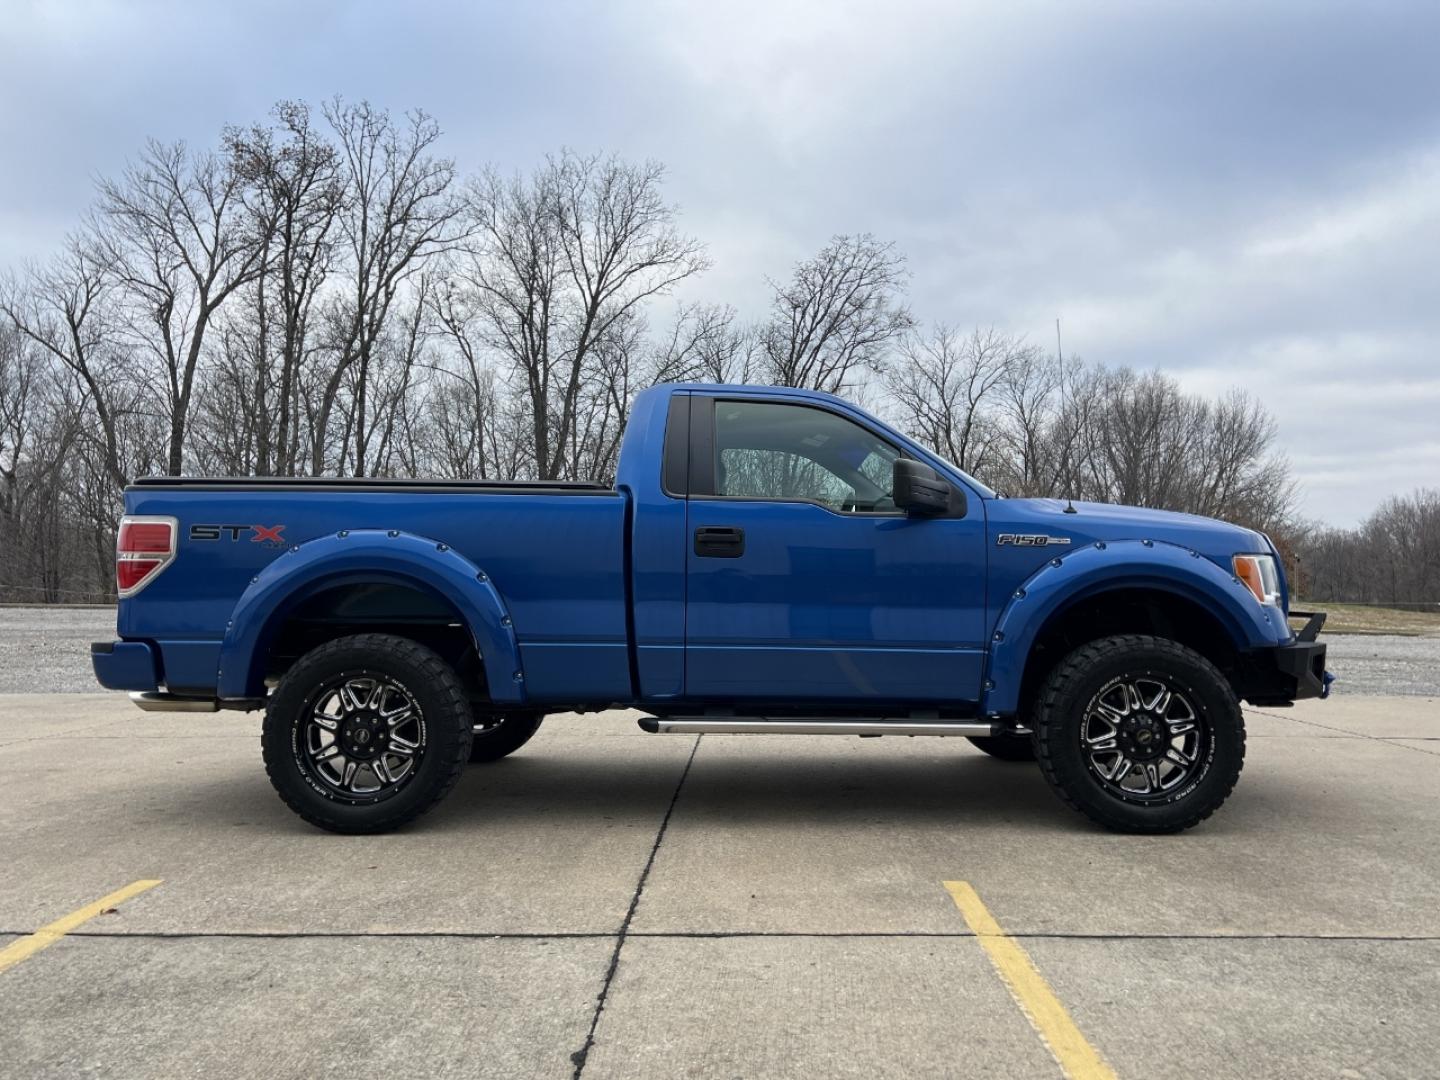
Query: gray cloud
x,y
1239,194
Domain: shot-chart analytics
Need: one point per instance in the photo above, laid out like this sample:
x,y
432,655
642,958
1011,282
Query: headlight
x,y
1260,576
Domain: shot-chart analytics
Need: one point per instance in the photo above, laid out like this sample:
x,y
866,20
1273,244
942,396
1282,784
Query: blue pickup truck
x,y
767,561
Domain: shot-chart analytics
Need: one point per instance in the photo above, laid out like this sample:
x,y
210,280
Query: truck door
x,y
803,580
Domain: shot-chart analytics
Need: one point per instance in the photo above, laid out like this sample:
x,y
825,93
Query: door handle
x,y
719,542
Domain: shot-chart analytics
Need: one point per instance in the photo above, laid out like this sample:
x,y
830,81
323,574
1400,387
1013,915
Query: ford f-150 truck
x,y
767,561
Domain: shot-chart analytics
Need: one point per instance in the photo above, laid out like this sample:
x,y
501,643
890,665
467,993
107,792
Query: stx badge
x,y
269,535
1030,540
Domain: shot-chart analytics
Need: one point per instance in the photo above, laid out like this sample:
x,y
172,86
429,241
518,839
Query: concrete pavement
x,y
778,912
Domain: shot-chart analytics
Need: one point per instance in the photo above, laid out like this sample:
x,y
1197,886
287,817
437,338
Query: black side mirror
x,y
918,489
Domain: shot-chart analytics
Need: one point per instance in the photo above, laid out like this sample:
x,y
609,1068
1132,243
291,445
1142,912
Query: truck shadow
x,y
756,791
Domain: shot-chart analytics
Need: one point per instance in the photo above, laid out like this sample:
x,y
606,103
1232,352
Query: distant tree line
x,y
1391,558
324,294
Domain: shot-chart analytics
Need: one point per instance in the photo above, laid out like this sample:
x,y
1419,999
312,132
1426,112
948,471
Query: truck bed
x,y
555,551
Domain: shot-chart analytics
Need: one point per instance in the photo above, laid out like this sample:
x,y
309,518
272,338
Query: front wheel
x,y
366,733
1140,734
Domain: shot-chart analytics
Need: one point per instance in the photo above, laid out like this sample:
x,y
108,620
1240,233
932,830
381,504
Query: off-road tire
x,y
501,739
428,680
1078,680
1005,747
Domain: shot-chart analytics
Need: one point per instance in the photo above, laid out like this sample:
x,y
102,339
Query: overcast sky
x,y
1240,194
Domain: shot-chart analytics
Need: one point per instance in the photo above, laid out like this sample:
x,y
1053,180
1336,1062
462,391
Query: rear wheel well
x,y
1127,611
377,607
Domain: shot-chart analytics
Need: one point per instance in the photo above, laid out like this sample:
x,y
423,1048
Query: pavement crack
x,y
1388,739
581,1056
703,935
98,725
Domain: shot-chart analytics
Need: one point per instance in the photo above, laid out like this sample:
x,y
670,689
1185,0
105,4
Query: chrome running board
x,y
156,701
759,725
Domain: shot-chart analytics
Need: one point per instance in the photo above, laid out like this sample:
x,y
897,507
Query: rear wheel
x,y
501,734
1005,747
366,733
1140,734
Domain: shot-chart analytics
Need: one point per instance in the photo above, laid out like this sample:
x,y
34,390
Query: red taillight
x,y
145,536
143,547
130,574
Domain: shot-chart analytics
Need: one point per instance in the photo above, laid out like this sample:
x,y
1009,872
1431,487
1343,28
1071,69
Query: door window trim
x,y
675,452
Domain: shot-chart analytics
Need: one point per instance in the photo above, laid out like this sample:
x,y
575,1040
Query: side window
x,y
771,451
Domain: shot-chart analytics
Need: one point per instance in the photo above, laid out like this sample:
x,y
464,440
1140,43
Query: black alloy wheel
x,y
366,733
1139,733
363,737
1144,739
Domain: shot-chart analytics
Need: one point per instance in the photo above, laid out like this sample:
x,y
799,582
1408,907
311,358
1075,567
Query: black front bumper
x,y
1304,664
1286,673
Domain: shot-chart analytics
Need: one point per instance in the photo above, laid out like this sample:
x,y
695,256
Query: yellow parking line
x,y
46,936
1078,1059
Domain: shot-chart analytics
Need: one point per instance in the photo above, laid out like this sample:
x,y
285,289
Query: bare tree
x,y
176,238
295,192
73,425
947,387
34,440
466,408
470,430
399,213
1042,414
560,266
37,437
17,406
1033,426
1240,478
706,343
1154,445
64,308
398,361
832,322
1392,557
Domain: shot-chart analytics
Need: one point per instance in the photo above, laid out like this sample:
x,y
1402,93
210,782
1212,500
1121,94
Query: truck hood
x,y
1216,540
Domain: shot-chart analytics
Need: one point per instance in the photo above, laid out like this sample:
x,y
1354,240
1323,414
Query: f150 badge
x,y
1030,540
